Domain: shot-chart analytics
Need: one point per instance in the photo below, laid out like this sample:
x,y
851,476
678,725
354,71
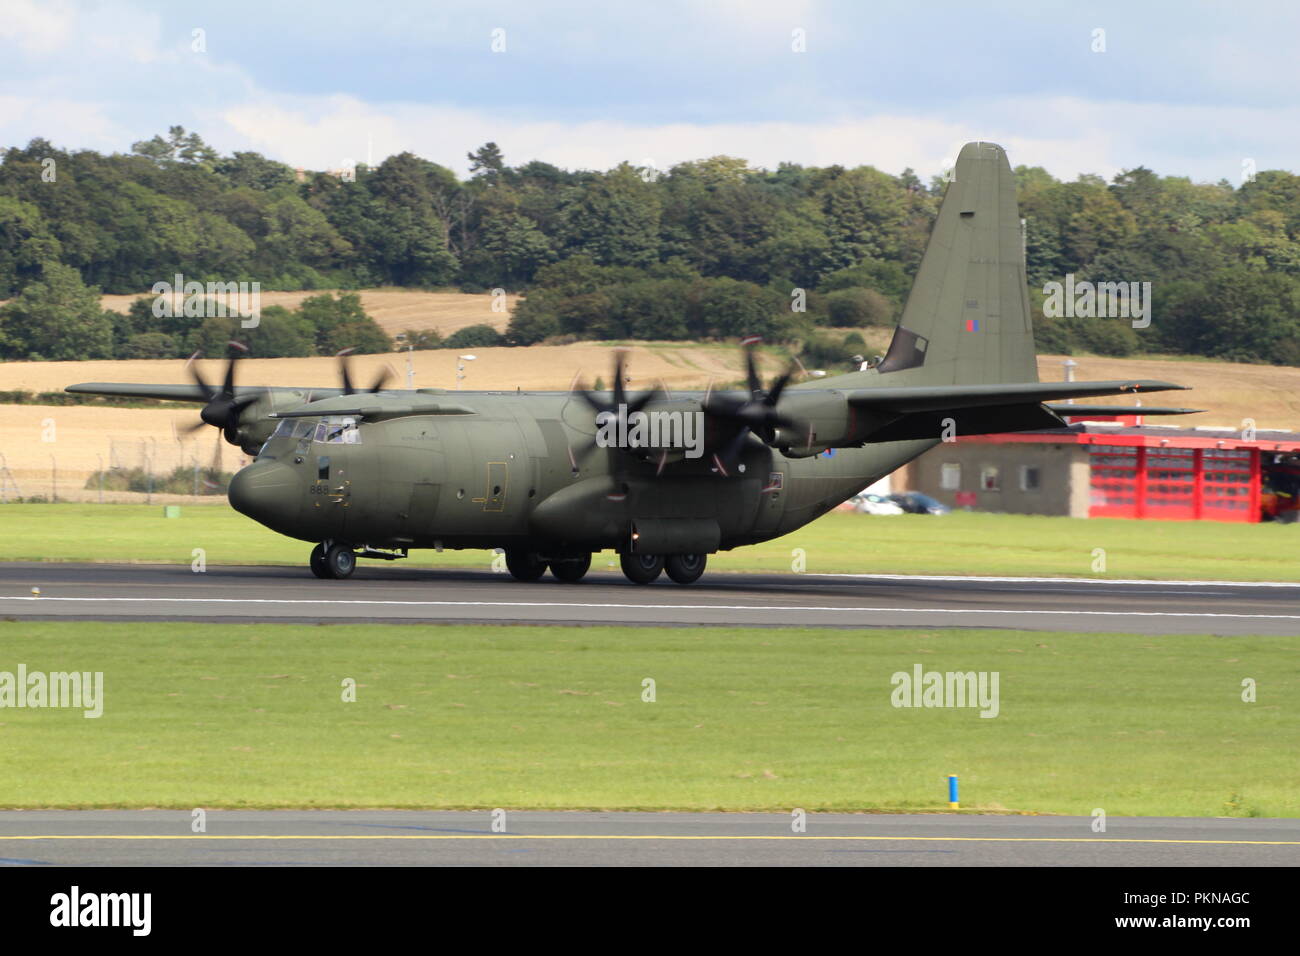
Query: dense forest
x,y
708,249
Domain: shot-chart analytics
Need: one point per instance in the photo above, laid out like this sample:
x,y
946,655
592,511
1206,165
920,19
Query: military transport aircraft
x,y
377,472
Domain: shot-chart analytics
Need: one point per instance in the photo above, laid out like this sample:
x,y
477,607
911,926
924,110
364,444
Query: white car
x,y
875,505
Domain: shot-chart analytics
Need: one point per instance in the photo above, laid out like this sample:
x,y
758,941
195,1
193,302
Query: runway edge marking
x,y
627,836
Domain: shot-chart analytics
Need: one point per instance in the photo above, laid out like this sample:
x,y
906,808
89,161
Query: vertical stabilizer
x,y
966,321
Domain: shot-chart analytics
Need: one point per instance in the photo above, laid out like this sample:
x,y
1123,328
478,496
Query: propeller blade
x,y
342,356
751,372
382,378
620,364
228,386
193,369
641,401
774,395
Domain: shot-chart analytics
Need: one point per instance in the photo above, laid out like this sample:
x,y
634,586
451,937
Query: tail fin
x,y
967,318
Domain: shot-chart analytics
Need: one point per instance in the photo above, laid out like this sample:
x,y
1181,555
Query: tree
x,y
297,233
473,337
178,147
25,245
279,334
253,171
511,251
615,220
854,307
486,161
340,322
57,318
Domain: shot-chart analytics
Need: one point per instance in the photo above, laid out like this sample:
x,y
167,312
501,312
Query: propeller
x,y
619,403
755,413
223,407
381,379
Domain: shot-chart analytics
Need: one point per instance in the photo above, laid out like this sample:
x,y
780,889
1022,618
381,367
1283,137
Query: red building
x,y
1119,470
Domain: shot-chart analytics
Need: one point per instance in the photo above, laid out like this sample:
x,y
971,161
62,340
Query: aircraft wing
x,y
184,393
374,412
172,393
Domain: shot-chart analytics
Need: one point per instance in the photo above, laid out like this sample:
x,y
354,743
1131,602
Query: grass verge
x,y
960,543
537,717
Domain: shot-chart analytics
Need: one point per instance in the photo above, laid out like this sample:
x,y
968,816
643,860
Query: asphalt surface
x,y
453,838
387,594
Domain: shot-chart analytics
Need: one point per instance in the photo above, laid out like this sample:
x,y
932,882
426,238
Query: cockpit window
x,y
338,431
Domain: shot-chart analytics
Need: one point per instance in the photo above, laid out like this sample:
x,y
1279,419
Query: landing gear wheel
x,y
685,568
525,565
571,568
340,561
317,562
641,568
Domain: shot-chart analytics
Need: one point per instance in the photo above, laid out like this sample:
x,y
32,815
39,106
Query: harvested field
x,y
396,310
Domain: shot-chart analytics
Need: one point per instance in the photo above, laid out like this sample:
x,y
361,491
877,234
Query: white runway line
x,y
999,580
315,602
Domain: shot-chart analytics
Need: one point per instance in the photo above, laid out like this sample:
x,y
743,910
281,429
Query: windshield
x,y
303,431
338,431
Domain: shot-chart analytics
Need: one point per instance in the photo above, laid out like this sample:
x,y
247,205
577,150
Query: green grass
x,y
960,543
532,717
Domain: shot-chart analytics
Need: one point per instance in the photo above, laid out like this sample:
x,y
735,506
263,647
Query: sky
x,y
1198,89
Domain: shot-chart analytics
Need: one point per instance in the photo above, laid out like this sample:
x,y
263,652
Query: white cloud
x,y
37,28
1067,136
102,76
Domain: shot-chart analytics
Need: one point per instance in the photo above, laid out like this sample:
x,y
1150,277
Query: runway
x,y
397,595
461,838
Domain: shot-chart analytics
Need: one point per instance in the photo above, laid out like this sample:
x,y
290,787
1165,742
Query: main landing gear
x,y
573,566
570,567
333,561
681,568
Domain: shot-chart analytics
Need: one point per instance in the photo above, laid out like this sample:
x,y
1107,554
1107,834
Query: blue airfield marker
x,y
952,792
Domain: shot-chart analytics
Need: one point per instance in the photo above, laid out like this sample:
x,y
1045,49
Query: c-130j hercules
x,y
379,472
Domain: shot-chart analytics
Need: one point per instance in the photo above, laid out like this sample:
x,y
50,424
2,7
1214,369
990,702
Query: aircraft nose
x,y
266,491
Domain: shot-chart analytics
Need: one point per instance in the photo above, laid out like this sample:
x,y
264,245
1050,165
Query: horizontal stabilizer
x,y
1074,411
927,398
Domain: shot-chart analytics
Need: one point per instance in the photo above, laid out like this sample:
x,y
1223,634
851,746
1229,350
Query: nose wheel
x,y
336,561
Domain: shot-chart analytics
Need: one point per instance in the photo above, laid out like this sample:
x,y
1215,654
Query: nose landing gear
x,y
329,560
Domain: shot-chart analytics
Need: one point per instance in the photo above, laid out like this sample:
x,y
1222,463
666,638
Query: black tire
x,y
340,561
571,568
641,568
317,562
686,568
525,565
